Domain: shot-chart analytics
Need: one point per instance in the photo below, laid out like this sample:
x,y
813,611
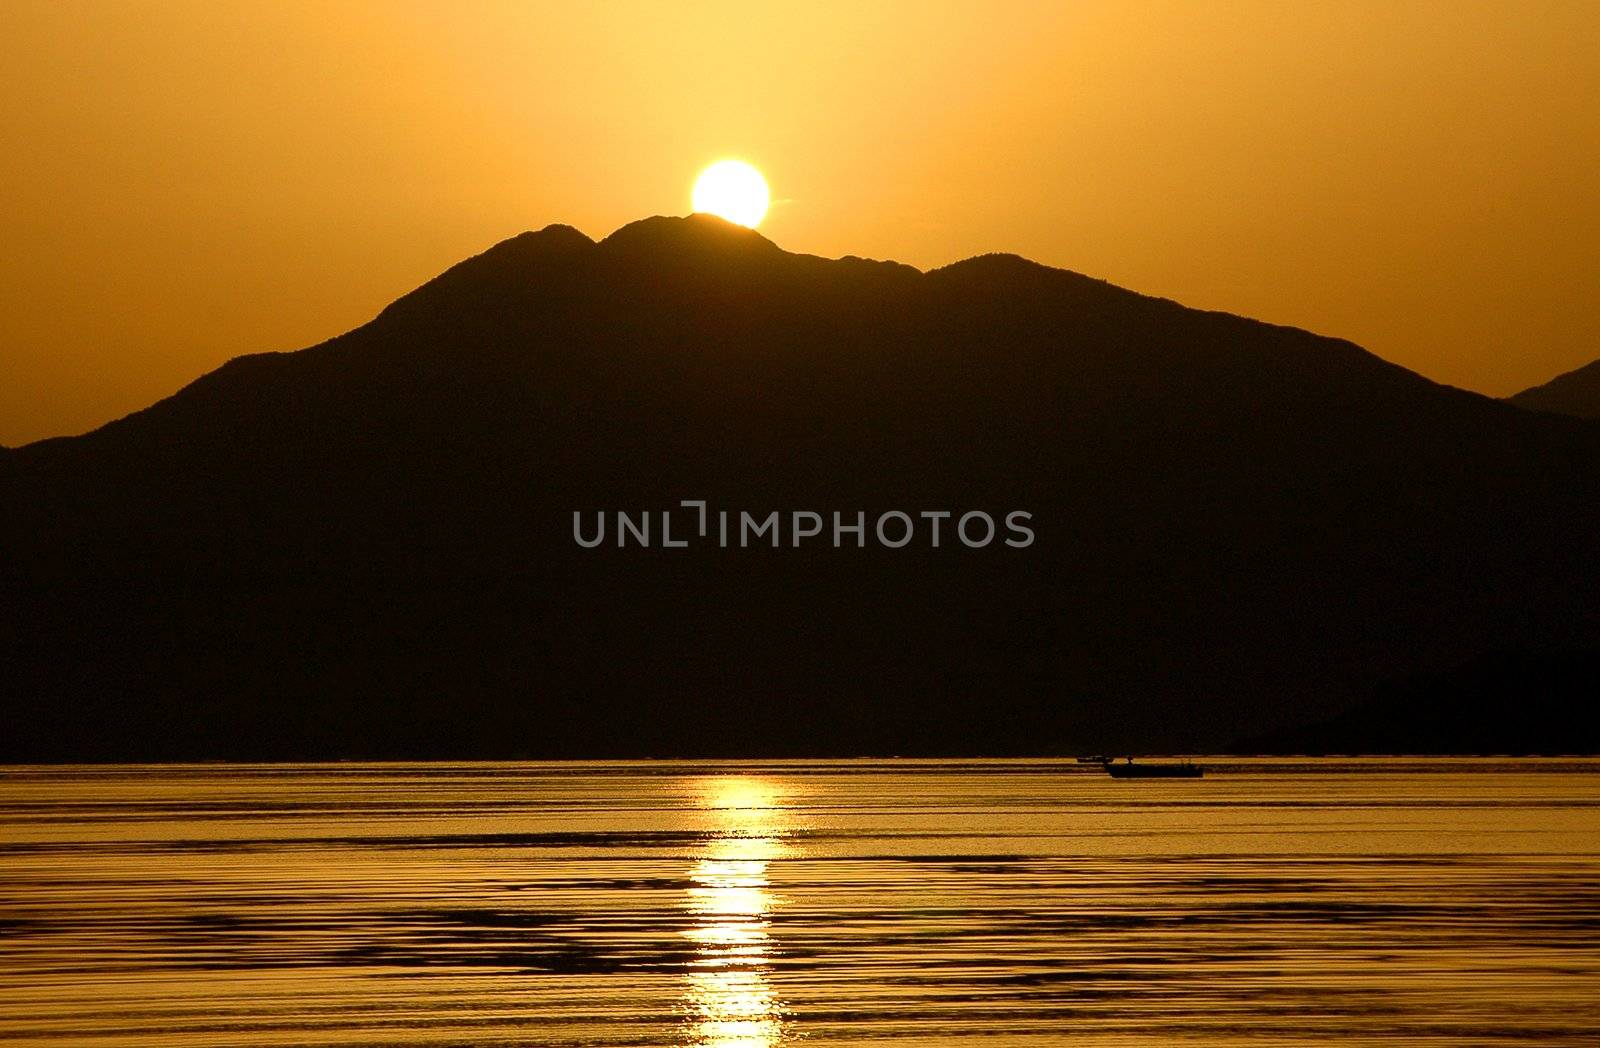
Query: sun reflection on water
x,y
730,999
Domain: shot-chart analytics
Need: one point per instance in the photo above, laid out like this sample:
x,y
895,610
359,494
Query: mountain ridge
x,y
559,242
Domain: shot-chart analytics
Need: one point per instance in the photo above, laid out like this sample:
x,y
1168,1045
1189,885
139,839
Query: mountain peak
x,y
506,266
1005,267
557,234
554,240
695,235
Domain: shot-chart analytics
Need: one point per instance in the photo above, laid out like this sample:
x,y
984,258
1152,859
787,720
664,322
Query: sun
x,y
733,190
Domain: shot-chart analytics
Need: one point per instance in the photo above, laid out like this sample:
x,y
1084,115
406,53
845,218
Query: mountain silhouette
x,y
1574,393
366,548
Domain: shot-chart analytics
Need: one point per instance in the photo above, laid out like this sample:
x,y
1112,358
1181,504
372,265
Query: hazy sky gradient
x,y
186,182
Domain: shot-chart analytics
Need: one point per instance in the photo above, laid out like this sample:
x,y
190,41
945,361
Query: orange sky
x,y
185,182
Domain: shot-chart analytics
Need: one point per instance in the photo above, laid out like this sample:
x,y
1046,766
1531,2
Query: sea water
x,y
1395,902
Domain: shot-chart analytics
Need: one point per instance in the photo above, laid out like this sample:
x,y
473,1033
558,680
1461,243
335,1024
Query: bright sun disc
x,y
733,190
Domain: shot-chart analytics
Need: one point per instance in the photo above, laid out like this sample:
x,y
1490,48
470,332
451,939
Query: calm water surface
x,y
754,905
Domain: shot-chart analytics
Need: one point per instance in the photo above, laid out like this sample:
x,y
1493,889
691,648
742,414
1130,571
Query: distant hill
x,y
1500,704
366,549
1574,393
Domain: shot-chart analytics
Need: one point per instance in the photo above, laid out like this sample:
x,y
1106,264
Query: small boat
x,y
1093,760
1130,770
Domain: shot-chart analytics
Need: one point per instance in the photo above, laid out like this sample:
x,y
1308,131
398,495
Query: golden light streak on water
x,y
729,995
